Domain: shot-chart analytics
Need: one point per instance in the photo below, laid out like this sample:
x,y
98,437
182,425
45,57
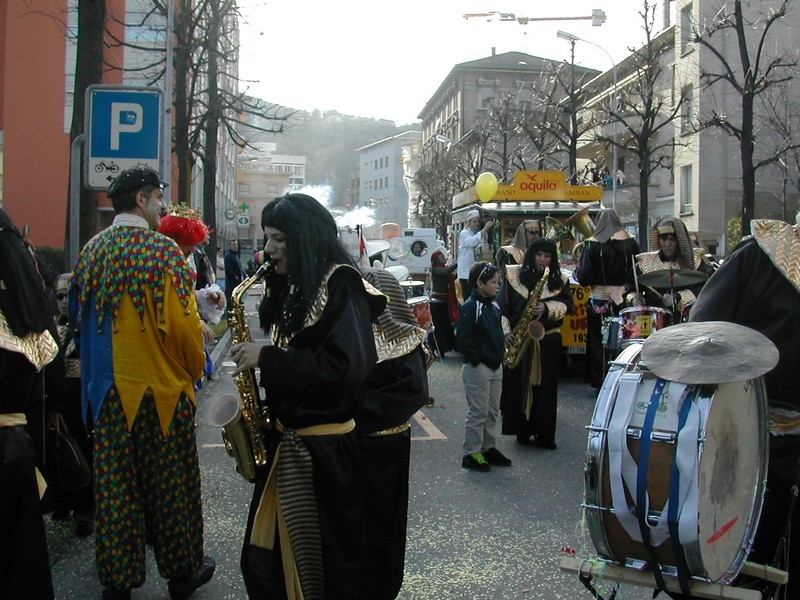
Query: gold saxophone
x,y
528,327
243,422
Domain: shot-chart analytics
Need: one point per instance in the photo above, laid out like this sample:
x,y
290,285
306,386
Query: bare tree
x,y
88,71
541,123
749,73
646,108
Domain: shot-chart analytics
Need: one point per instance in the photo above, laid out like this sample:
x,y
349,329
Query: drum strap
x,y
622,466
682,511
642,507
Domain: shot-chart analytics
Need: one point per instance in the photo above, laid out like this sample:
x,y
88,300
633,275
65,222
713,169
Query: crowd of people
x,y
116,349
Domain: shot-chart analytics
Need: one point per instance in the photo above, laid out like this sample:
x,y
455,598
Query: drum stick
x,y
635,275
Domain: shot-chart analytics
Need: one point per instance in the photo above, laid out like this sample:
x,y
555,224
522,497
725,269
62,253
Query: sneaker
x,y
495,457
476,462
523,439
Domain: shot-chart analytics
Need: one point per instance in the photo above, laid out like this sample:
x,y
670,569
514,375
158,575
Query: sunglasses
x,y
61,295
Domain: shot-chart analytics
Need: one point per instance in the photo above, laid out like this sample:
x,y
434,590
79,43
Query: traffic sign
x,y
124,125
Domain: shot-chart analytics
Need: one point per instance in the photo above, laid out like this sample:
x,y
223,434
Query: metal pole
x,y
614,146
166,169
76,161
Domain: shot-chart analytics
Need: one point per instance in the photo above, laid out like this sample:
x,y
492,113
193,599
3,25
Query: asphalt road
x,y
471,535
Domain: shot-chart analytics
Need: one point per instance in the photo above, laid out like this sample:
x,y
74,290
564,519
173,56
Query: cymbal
x,y
672,279
709,352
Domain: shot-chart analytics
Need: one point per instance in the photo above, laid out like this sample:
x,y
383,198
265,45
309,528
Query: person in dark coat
x,y
606,264
396,388
530,399
27,344
234,271
758,286
305,531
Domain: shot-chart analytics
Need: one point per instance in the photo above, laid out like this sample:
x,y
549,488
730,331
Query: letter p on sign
x,y
126,117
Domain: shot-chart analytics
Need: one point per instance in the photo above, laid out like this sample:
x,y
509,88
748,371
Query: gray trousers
x,y
482,386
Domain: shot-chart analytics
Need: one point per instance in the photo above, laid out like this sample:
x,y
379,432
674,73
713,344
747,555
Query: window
x,y
244,189
686,28
686,189
687,110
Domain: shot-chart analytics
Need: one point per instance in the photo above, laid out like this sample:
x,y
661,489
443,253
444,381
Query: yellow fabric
x,y
269,515
536,372
167,364
13,420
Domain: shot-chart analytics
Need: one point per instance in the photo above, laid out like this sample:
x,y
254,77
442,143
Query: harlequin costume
x,y
141,349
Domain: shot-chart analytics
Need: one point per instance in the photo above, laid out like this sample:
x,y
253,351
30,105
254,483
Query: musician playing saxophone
x,y
305,531
529,400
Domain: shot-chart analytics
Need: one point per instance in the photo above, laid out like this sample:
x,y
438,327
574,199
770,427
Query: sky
x,y
385,60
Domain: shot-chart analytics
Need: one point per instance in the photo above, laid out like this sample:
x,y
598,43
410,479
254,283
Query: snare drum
x,y
413,288
422,311
688,462
639,322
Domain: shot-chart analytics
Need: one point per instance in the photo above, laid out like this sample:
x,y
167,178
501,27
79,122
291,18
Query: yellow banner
x,y
546,186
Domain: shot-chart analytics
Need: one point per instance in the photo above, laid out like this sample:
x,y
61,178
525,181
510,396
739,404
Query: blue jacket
x,y
479,333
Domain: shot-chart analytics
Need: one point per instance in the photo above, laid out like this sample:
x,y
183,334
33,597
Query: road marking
x,y
434,433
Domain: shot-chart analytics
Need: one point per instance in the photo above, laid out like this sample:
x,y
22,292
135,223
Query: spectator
x,y
26,346
469,245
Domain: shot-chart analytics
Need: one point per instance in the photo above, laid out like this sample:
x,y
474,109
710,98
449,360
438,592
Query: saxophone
x,y
243,422
528,327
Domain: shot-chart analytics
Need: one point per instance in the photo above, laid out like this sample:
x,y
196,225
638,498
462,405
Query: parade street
x,y
471,535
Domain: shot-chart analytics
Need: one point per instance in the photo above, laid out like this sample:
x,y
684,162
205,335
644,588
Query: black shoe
x,y
61,514
84,527
525,440
495,457
476,462
547,444
111,593
180,589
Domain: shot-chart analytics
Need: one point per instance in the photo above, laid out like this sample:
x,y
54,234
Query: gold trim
x,y
39,348
781,242
392,430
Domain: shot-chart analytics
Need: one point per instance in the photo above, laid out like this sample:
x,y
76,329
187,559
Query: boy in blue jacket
x,y
480,339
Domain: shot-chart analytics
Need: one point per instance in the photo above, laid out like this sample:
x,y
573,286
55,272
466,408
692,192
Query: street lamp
x,y
564,35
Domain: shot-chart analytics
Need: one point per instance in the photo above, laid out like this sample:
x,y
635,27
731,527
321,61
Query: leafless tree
x,y
749,73
88,71
646,108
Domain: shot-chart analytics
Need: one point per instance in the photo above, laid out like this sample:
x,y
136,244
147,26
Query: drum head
x,y
732,472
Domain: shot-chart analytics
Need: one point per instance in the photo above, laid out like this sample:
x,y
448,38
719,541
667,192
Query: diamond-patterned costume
x,y
142,350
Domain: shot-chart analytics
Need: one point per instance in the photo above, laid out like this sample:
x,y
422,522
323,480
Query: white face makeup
x,y
275,249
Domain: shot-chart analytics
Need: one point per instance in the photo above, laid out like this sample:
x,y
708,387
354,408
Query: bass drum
x,y
682,466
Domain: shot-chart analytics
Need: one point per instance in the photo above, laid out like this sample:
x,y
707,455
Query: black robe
x,y
749,290
318,379
542,421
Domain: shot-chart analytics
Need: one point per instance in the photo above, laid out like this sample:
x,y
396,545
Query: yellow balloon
x,y
486,186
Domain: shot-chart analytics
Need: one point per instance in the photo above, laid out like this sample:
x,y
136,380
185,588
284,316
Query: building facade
x,y
382,187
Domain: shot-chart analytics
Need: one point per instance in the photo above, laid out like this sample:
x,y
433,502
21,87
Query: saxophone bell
x,y
226,412
536,330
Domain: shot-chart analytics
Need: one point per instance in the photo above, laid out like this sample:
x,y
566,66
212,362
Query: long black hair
x,y
24,298
529,275
313,246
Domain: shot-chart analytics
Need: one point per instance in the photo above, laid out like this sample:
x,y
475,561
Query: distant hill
x,y
328,141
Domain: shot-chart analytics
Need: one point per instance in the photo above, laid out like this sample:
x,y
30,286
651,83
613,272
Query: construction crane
x,y
598,17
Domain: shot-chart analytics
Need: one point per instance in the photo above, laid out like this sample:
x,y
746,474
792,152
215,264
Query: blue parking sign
x,y
124,125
